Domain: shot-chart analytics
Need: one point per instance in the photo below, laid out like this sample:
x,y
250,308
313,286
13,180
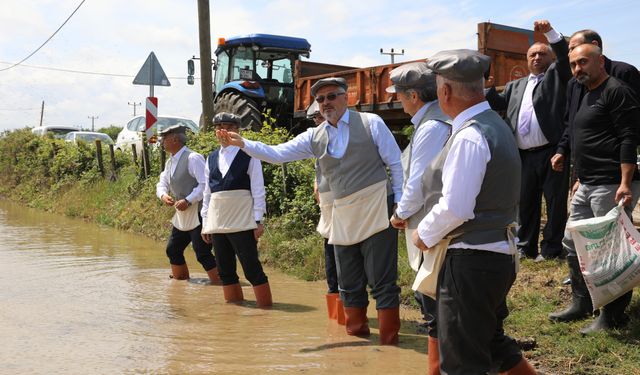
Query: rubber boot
x,y
233,293
356,321
522,368
263,295
332,308
214,277
180,272
611,316
433,356
340,318
581,306
389,325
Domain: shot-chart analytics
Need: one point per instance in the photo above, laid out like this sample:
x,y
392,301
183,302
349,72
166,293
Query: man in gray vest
x,y
471,195
354,151
415,87
181,186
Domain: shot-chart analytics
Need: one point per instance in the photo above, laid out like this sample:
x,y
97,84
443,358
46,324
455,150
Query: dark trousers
x,y
539,179
244,245
429,310
330,267
472,291
372,262
179,240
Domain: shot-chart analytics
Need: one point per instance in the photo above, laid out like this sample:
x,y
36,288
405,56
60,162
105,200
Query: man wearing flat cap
x,y
535,107
181,185
415,87
354,151
232,211
471,194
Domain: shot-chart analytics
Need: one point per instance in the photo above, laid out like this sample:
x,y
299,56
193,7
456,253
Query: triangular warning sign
x,y
151,73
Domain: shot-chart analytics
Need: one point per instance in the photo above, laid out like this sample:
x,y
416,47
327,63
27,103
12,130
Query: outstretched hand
x,y
227,138
542,26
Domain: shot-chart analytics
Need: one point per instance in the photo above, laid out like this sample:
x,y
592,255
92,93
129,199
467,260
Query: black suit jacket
x,y
624,72
549,96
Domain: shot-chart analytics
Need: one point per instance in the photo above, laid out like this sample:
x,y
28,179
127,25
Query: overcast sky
x,y
116,36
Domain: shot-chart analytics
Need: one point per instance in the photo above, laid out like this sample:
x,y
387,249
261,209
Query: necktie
x,y
526,108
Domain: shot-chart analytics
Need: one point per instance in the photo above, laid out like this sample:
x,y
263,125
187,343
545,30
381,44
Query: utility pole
x,y
206,81
41,113
92,121
392,54
134,104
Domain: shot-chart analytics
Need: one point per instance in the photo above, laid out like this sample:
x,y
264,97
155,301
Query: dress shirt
x,y
225,158
534,137
462,176
300,147
195,166
426,143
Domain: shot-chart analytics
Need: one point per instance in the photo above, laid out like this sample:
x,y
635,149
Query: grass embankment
x,y
57,177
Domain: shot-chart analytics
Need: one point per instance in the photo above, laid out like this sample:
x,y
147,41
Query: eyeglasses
x,y
330,97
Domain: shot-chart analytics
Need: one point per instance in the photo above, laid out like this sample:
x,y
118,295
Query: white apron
x,y
186,220
230,211
414,254
326,213
360,215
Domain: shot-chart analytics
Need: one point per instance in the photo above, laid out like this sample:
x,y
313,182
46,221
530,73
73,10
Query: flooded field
x,y
76,298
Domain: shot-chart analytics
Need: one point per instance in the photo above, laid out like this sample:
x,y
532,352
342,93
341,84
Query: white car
x,y
132,132
88,137
57,131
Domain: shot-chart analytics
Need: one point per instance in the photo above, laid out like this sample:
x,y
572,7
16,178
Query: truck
x,y
263,78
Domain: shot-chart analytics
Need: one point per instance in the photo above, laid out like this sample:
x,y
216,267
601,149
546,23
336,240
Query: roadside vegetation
x,y
59,177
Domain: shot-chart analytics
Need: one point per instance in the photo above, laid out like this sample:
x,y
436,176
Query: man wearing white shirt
x,y
232,211
471,195
181,186
535,107
354,151
415,87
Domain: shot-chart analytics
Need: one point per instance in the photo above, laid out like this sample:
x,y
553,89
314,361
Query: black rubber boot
x,y
612,315
581,306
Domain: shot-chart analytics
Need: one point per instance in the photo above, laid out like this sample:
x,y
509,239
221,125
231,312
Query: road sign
x,y
151,73
151,116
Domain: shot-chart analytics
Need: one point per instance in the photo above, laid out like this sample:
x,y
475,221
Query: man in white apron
x,y
181,185
415,87
232,210
354,151
471,194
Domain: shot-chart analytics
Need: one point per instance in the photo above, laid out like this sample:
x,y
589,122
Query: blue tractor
x,y
254,78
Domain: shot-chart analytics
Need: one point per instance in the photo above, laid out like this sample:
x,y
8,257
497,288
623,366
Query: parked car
x,y
89,137
132,132
57,131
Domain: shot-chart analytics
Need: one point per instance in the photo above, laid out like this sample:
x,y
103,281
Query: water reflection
x,y
77,298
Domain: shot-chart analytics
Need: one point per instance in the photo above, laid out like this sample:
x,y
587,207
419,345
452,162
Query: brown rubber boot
x,y
332,308
433,357
389,325
356,321
340,318
263,295
522,368
233,293
214,277
180,272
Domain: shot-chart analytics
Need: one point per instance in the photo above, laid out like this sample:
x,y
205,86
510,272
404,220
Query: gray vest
x,y
321,182
497,203
433,113
359,167
181,183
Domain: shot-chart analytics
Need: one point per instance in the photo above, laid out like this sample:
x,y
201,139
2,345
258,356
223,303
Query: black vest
x,y
235,179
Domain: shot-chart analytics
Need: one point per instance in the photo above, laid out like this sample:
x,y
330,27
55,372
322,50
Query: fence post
x,y
284,179
99,156
146,165
163,159
135,154
113,163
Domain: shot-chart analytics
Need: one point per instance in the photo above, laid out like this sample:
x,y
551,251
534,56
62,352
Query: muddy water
x,y
80,299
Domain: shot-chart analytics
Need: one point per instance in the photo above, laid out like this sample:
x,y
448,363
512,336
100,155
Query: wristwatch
x,y
188,203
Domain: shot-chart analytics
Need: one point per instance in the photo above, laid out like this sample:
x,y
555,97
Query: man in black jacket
x,y
535,107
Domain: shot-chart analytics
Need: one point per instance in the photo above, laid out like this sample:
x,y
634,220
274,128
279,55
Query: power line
x,y
46,41
80,71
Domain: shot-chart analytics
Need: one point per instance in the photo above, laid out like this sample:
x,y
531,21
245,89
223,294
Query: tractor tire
x,y
242,106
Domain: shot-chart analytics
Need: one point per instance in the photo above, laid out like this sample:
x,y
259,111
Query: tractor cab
x,y
254,76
